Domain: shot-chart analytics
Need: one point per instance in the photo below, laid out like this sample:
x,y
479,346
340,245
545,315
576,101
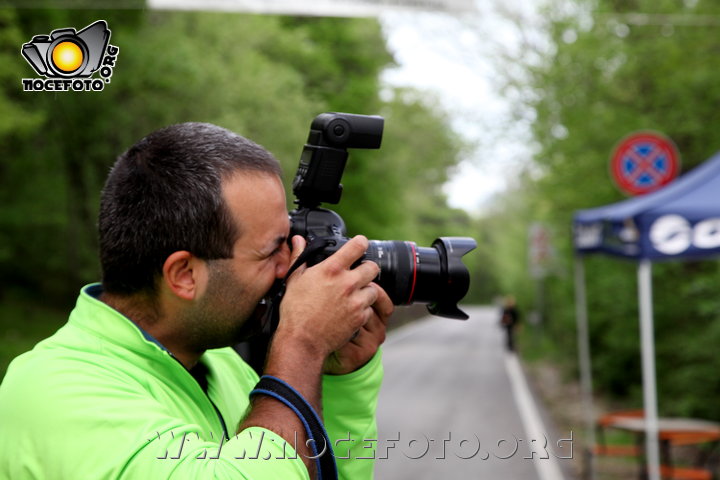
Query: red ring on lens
x,y
414,274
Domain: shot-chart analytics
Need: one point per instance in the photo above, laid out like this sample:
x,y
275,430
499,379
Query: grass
x,y
559,389
535,344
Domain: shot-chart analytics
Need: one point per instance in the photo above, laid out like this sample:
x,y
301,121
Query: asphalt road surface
x,y
455,405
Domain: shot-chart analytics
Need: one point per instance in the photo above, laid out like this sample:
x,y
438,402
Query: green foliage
x,y
601,78
265,77
16,119
22,324
164,75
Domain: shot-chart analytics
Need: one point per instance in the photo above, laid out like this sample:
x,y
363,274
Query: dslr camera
x,y
434,275
67,53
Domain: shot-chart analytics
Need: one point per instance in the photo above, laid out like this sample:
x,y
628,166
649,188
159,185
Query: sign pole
x,y
648,369
583,339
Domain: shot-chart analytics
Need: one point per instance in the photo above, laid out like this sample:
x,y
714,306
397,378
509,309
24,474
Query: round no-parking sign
x,y
643,162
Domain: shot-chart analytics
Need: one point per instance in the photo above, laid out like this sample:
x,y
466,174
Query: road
x,y
455,405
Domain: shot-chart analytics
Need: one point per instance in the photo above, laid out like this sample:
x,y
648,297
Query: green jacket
x,y
100,399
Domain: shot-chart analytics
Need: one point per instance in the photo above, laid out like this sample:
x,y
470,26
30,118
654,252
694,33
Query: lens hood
x,y
455,279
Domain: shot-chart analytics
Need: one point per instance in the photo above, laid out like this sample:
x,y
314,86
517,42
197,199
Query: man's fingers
x,y
349,253
298,245
370,295
365,273
383,304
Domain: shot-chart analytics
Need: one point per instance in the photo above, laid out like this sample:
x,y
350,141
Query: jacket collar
x,y
101,320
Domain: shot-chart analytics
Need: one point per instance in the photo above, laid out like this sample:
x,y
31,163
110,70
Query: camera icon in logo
x,y
67,53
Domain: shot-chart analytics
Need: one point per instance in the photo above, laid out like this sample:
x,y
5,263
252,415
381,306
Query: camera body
x,y
67,53
408,273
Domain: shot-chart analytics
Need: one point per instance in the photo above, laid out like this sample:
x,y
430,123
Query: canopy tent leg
x,y
648,368
583,339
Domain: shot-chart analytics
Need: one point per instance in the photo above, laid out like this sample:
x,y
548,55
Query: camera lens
x,y
434,275
67,56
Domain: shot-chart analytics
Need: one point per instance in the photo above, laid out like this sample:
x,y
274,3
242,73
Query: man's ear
x,y
184,274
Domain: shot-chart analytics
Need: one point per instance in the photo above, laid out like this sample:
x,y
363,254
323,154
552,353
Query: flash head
x,y
346,130
324,156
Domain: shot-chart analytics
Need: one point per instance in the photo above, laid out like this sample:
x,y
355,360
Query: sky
x,y
456,57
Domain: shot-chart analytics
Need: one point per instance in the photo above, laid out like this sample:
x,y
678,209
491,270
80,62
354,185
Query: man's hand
x,y
323,308
365,343
326,304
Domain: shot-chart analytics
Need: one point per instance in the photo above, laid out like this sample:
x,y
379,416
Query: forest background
x,y
607,68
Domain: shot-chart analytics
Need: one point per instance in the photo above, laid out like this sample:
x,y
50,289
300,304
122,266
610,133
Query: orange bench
x,y
607,420
674,432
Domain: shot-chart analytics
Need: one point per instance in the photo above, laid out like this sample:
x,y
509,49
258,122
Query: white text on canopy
x,y
673,234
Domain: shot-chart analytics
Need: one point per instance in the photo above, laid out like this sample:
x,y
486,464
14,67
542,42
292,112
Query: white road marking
x,y
545,462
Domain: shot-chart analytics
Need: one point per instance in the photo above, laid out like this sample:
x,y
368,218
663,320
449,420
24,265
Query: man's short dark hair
x,y
164,195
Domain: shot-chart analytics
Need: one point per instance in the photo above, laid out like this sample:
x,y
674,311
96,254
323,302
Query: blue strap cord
x,y
283,392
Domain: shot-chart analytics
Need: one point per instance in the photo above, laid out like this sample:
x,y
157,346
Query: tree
x,y
612,68
265,77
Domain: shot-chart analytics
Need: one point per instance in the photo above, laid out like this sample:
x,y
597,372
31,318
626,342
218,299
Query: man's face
x,y
256,202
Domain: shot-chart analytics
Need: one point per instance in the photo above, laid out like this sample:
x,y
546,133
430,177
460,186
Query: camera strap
x,y
278,389
318,439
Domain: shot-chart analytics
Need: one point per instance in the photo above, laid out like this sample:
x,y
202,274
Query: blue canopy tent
x,y
679,221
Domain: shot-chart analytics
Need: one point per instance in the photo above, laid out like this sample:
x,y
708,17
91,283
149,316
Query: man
x,y
509,320
140,383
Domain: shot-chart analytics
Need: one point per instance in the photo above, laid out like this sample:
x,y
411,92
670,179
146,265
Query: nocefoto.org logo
x,y
67,59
